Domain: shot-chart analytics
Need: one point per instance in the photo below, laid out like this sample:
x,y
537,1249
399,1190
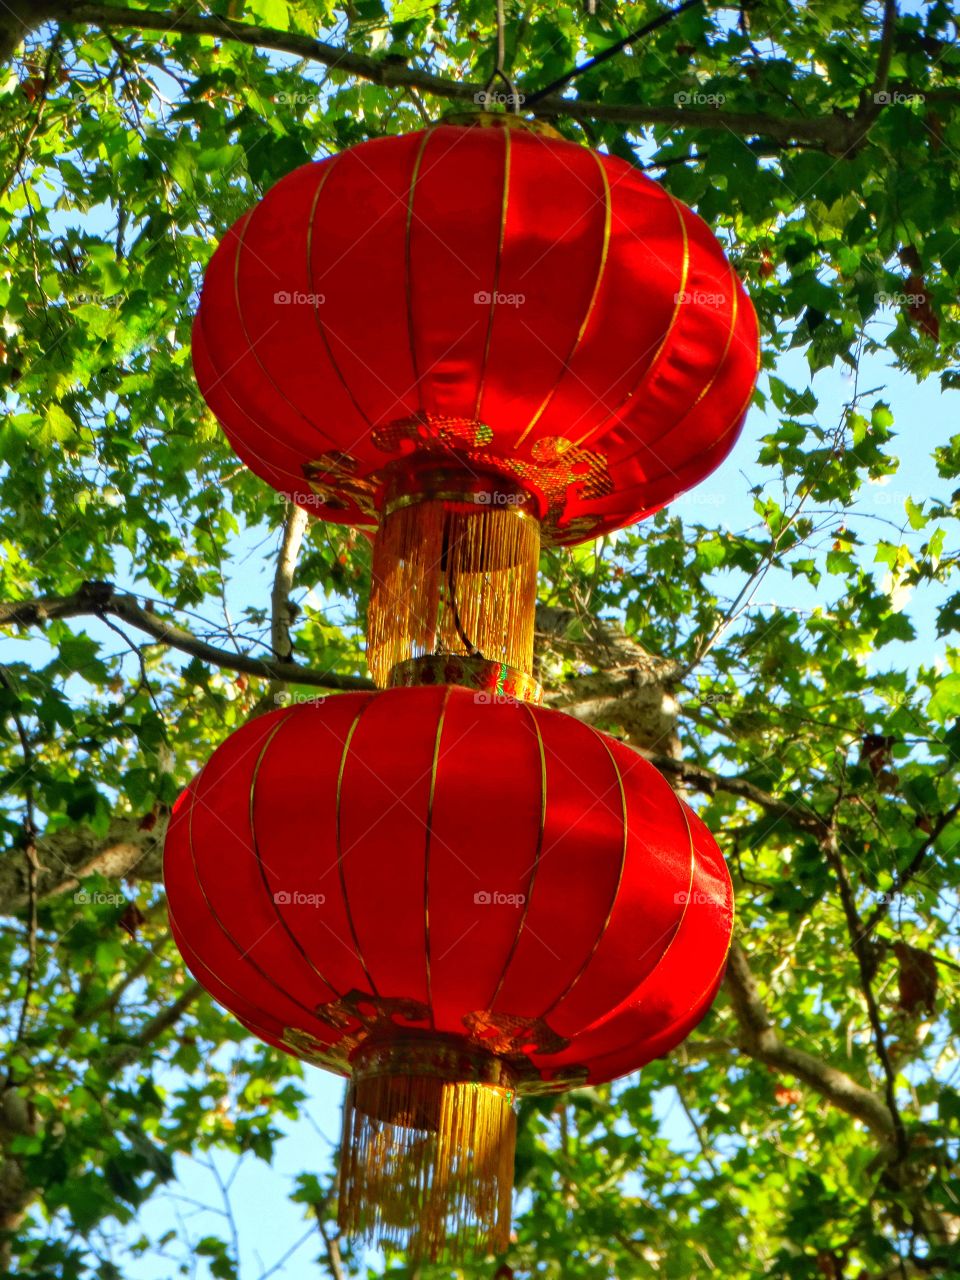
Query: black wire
x,y
447,570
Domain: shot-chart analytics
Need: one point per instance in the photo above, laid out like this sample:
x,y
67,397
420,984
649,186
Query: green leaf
x,y
915,514
945,703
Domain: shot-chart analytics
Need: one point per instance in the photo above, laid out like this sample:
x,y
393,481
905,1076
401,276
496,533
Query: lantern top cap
x,y
482,117
487,679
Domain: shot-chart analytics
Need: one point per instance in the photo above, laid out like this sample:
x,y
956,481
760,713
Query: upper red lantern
x,y
451,901
526,306
474,338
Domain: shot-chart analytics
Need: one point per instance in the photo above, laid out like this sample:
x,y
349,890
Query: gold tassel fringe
x,y
453,576
426,1164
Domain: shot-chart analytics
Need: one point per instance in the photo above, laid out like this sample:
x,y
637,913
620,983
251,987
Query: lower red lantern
x,y
453,899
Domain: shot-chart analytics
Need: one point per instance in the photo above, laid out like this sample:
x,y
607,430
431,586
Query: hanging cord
x,y
513,98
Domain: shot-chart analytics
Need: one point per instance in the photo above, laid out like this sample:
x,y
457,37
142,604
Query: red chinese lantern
x,y
452,901
475,339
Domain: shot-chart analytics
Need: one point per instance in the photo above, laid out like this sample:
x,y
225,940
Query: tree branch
x,y
331,1244
389,73
112,1001
69,855
697,1128
282,611
887,38
30,133
156,1026
618,46
836,133
294,527
97,599
18,18
698,778
635,701
32,863
867,965
759,1040
903,878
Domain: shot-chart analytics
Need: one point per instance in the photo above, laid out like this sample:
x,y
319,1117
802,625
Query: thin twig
x,y
697,1128
903,878
153,1029
98,598
31,132
618,46
33,864
331,1242
865,964
141,660
885,57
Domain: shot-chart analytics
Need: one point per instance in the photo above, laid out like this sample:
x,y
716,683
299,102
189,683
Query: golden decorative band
x,y
480,498
481,117
437,1057
411,483
491,681
426,448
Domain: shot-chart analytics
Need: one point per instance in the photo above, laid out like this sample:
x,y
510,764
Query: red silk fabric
x,y
420,859
481,275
